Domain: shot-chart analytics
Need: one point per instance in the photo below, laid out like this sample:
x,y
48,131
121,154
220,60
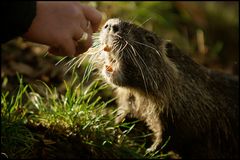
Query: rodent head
x,y
133,56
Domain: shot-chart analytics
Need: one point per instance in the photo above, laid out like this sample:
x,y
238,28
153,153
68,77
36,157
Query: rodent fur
x,y
175,96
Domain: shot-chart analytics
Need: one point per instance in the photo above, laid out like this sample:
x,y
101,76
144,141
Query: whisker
x,y
87,71
133,19
146,46
81,61
69,62
61,60
140,68
145,22
125,45
69,68
131,26
135,51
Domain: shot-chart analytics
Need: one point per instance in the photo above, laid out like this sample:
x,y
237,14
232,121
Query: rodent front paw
x,y
119,119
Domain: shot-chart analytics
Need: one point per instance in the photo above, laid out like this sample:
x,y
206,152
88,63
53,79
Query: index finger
x,y
93,15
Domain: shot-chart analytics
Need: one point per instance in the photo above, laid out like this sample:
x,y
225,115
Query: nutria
x,y
165,88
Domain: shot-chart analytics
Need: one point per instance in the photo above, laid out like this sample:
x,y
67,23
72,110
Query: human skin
x,y
60,24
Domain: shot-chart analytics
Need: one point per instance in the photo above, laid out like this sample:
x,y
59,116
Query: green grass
x,y
75,124
44,123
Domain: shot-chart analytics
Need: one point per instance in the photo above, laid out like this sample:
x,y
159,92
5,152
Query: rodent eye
x,y
150,38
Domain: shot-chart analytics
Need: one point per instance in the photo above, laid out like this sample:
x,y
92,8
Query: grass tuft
x,y
75,124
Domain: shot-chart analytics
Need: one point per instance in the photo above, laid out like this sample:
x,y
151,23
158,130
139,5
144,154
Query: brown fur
x,y
174,95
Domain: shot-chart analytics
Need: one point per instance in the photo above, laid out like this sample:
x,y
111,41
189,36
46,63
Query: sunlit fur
x,y
175,96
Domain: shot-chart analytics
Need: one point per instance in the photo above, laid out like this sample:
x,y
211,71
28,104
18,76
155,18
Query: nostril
x,y
115,28
106,26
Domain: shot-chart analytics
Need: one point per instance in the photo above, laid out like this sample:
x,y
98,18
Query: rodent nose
x,y
112,28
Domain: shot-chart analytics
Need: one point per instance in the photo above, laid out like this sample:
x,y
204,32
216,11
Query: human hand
x,y
61,24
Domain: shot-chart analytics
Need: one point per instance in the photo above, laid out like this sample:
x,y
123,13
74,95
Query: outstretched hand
x,y
61,24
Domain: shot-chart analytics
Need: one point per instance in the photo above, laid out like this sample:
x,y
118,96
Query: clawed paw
x,y
151,149
119,119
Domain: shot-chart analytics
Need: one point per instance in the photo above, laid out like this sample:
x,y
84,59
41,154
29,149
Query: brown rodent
x,y
175,96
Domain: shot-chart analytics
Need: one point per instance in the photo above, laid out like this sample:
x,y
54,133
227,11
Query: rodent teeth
x,y
109,68
107,48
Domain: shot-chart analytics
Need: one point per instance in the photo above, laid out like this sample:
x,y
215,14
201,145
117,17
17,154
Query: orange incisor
x,y
109,68
107,48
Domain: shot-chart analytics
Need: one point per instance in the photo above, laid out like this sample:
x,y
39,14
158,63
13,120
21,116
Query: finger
x,y
84,23
93,15
68,46
84,45
56,51
78,33
79,42
89,40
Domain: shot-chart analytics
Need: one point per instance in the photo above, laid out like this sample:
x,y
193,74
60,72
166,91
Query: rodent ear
x,y
168,46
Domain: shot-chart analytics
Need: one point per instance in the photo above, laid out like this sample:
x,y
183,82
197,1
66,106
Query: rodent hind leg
x,y
156,126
